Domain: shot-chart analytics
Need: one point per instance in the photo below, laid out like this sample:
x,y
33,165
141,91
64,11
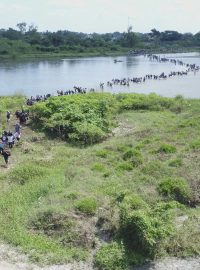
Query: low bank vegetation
x,y
130,195
88,119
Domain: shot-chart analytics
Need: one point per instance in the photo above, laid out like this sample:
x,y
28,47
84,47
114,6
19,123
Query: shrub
x,y
125,166
77,118
98,167
134,202
87,133
144,102
195,144
176,162
111,257
175,188
73,195
134,156
167,149
103,153
144,230
87,206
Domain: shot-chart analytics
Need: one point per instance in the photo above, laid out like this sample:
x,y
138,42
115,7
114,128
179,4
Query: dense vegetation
x,y
129,198
89,118
26,40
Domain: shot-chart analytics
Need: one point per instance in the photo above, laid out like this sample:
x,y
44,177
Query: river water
x,y
42,76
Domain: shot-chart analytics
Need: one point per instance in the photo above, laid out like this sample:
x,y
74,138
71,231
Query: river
x,y
42,76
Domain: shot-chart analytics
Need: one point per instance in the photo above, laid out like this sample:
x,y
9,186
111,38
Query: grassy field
x,y
131,197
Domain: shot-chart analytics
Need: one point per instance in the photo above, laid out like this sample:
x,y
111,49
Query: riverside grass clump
x,y
176,188
87,206
127,220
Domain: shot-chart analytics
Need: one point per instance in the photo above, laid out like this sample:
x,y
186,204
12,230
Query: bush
x,y
98,167
151,102
175,188
176,162
144,230
134,156
87,206
87,133
77,118
103,153
134,202
167,149
125,166
195,145
73,195
111,257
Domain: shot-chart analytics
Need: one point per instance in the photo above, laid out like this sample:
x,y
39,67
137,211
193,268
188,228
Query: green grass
x,y
57,198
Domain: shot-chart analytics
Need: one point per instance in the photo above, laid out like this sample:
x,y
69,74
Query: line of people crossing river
x,y
155,58
76,90
127,81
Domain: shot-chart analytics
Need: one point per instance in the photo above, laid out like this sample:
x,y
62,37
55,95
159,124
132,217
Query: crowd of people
x,y
8,138
76,90
126,81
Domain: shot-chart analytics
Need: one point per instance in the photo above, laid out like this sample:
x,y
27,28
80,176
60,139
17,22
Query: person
x,y
4,138
5,153
8,114
11,139
17,128
1,146
17,136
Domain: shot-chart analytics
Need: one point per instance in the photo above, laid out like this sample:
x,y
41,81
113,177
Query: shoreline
x,y
97,54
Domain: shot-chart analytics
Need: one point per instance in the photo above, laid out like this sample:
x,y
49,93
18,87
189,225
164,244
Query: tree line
x,y
27,39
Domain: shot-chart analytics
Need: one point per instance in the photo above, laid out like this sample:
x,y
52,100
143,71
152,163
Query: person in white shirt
x,y
11,139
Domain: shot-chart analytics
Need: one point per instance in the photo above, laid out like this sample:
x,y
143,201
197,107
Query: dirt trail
x,y
12,259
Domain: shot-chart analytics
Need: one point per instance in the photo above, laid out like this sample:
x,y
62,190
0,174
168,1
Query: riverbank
x,y
100,52
68,54
63,201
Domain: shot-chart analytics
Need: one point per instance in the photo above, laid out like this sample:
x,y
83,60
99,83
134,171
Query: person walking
x,y
11,139
17,128
8,114
5,153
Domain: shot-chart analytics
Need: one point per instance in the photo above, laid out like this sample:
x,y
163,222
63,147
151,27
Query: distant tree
x,y
12,34
32,28
170,36
197,38
154,33
22,27
129,38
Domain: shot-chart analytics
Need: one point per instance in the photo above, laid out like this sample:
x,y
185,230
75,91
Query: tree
x,y
22,27
154,33
32,28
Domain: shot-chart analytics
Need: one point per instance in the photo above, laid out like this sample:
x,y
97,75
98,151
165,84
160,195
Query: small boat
x,y
116,61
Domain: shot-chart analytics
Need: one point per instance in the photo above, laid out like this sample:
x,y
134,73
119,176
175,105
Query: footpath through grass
x,y
131,197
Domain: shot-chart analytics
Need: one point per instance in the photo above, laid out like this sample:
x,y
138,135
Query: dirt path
x,y
12,259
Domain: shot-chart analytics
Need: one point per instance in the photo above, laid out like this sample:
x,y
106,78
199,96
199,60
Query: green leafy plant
x,y
176,162
134,156
167,149
111,257
87,206
175,188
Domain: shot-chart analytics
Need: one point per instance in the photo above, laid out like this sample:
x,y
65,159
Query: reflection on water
x,y
33,77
